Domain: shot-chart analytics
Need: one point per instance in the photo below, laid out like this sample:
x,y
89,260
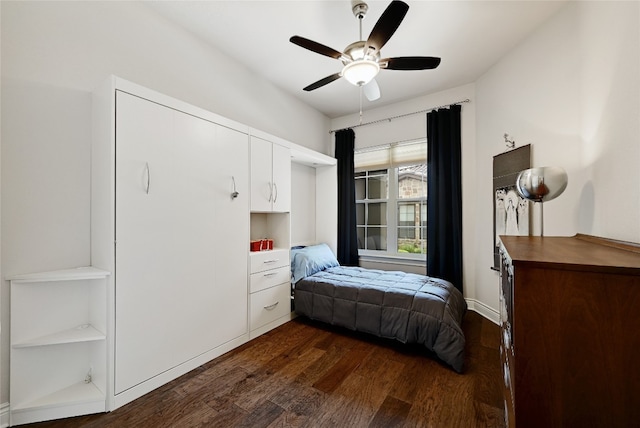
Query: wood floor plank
x,y
262,416
272,379
343,368
321,366
299,399
392,413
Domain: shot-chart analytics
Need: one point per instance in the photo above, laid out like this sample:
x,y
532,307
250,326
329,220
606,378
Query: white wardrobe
x,y
180,237
172,219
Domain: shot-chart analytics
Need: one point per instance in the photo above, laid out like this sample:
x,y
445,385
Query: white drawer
x,y
270,304
265,260
269,278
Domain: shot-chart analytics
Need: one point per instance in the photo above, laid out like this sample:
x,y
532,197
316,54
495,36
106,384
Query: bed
x,y
406,307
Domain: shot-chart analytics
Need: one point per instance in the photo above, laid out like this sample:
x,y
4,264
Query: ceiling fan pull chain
x,y
360,105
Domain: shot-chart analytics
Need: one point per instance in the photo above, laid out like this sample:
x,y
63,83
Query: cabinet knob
x,y
235,193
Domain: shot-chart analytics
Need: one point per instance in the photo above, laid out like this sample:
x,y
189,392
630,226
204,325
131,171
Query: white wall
x,y
572,91
303,204
53,55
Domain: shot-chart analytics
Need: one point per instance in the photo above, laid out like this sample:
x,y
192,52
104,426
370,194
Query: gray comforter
x,y
407,307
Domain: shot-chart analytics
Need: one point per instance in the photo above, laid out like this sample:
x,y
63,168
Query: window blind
x,y
390,156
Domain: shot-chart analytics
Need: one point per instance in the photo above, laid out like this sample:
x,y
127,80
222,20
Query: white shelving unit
x,y
58,344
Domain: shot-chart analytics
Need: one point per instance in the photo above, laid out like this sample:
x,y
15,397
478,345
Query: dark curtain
x,y
347,232
444,195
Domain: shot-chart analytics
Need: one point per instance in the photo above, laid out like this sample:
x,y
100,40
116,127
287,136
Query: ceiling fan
x,y
361,60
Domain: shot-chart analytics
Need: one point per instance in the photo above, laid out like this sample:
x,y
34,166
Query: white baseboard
x,y
4,415
484,310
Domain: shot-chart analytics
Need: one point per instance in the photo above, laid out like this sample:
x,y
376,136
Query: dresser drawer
x,y
269,278
265,260
270,304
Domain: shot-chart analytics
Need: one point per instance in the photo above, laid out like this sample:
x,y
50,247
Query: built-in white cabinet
x,y
58,344
269,286
270,176
180,287
270,273
170,217
269,281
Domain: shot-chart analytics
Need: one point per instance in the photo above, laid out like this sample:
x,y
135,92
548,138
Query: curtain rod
x,y
389,119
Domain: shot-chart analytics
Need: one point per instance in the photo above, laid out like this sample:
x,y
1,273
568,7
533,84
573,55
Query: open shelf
x,y
78,393
81,333
87,272
58,335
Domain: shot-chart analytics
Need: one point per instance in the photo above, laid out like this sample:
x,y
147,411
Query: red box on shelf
x,y
261,245
256,245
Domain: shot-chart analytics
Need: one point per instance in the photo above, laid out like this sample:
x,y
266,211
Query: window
x,y
391,197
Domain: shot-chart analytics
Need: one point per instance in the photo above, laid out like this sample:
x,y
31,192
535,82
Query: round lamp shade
x,y
541,184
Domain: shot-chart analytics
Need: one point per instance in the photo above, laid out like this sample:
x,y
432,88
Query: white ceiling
x,y
469,36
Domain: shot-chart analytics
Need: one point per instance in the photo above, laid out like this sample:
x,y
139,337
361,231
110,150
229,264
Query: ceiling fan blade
x,y
387,24
315,47
410,63
322,82
371,90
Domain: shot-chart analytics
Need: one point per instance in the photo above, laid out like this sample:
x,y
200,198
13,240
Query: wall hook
x,y
510,143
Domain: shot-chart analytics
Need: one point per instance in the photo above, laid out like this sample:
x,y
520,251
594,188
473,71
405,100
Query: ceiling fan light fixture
x,y
360,72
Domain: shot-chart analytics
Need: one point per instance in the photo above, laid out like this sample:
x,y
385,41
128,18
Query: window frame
x,y
392,224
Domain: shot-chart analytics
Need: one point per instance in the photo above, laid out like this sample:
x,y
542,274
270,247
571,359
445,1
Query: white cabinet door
x,y
232,234
181,284
261,179
281,161
270,176
143,230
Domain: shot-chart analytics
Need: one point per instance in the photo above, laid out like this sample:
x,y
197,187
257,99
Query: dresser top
x,y
582,252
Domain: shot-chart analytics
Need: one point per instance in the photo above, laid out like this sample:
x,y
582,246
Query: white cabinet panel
x,y
261,280
265,260
231,233
261,179
270,176
181,280
144,217
281,160
270,304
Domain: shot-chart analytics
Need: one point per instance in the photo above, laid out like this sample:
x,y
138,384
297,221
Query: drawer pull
x,y
271,307
271,261
270,274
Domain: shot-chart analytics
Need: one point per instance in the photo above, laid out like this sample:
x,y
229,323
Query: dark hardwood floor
x,y
305,374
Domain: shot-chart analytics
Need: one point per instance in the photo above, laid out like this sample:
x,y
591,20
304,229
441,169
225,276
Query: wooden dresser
x,y
570,323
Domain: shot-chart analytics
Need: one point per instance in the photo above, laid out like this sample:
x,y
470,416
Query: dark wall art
x,y
510,210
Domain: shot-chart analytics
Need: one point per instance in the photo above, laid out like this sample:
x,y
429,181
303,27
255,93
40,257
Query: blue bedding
x,y
406,307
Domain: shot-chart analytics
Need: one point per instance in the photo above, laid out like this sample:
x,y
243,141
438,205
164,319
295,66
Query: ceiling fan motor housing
x,y
356,51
